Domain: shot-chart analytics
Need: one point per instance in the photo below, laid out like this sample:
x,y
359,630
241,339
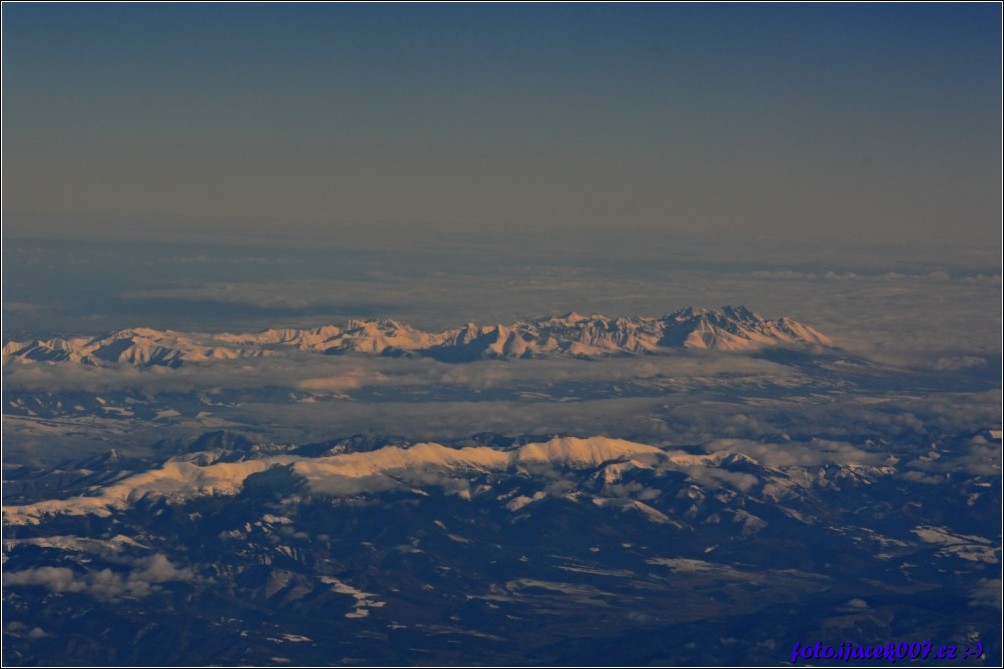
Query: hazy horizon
x,y
802,122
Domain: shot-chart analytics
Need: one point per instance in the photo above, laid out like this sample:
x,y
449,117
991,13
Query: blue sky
x,y
330,122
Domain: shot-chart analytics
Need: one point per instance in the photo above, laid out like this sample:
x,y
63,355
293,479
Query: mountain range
x,y
495,549
724,329
408,468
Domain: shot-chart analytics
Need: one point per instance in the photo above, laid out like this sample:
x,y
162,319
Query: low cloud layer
x,y
141,580
795,454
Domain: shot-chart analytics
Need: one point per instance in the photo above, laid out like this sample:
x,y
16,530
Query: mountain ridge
x,y
410,467
728,328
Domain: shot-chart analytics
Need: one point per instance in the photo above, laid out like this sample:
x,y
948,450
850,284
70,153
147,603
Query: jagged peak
x,y
738,312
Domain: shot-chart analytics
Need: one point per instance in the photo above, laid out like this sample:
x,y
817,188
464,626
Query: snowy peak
x,y
572,335
736,329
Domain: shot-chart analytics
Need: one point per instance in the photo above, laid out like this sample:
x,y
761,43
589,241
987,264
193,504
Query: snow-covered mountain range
x,y
225,547
408,468
725,329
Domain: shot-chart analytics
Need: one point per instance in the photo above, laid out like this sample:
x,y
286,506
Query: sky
x,y
526,124
235,167
241,166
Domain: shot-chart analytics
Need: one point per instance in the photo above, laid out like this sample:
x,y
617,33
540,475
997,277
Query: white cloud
x,y
796,454
143,579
